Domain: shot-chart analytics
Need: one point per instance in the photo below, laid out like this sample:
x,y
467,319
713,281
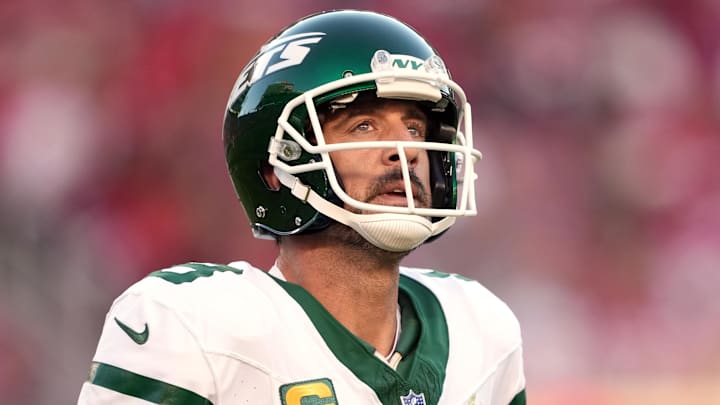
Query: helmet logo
x,y
403,63
399,76
384,61
291,51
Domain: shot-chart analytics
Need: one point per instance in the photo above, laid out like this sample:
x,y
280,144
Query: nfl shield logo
x,y
413,399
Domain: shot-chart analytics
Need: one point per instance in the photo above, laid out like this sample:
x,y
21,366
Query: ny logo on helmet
x,y
404,62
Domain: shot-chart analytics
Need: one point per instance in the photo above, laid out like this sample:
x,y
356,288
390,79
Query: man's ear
x,y
271,180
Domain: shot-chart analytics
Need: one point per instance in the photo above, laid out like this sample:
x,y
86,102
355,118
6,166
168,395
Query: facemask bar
x,y
282,150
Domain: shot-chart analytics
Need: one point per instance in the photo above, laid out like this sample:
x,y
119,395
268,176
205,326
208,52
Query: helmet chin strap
x,y
391,232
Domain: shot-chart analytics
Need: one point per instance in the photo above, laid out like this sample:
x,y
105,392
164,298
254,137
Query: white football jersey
x,y
228,335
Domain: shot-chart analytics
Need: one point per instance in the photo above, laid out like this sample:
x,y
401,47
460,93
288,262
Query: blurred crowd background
x,y
599,194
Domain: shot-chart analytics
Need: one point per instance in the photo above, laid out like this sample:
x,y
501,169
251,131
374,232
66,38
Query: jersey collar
x,y
423,342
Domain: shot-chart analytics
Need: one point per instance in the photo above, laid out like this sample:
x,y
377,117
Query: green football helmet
x,y
272,119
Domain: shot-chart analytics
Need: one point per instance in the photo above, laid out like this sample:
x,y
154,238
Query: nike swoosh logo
x,y
137,337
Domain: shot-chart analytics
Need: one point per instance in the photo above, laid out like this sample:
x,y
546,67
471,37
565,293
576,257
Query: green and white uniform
x,y
228,335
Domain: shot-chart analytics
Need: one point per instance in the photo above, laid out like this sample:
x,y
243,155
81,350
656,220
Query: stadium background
x,y
599,195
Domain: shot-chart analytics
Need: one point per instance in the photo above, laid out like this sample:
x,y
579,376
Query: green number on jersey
x,y
199,270
439,274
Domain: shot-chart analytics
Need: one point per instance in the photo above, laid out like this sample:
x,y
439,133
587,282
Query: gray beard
x,y
339,234
344,236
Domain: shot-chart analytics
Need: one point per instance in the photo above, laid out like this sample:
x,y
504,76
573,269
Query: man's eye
x,y
363,127
416,130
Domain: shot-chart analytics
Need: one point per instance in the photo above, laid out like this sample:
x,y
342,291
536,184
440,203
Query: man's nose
x,y
400,132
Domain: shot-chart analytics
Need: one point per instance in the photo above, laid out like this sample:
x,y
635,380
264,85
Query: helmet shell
x,y
313,51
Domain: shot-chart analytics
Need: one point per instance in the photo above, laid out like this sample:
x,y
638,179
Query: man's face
x,y
374,175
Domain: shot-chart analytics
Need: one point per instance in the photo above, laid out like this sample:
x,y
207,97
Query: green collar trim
x,y
423,343
409,326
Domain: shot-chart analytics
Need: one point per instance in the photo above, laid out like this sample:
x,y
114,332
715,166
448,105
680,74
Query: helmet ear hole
x,y
268,176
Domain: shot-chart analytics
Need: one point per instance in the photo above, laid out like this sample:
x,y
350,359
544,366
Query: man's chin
x,y
344,235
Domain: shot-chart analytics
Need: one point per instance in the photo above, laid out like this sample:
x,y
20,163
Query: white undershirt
x,y
398,328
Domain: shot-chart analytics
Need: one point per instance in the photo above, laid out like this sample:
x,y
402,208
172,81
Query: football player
x,y
349,144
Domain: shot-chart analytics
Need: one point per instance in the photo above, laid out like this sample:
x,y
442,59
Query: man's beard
x,y
396,175
344,235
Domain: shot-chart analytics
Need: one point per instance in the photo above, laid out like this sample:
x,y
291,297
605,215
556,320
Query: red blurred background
x,y
599,194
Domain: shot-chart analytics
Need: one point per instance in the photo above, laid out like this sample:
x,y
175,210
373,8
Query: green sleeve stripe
x,y
136,385
519,399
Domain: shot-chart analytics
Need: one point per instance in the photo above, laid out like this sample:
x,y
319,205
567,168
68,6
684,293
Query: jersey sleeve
x,y
510,382
147,353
